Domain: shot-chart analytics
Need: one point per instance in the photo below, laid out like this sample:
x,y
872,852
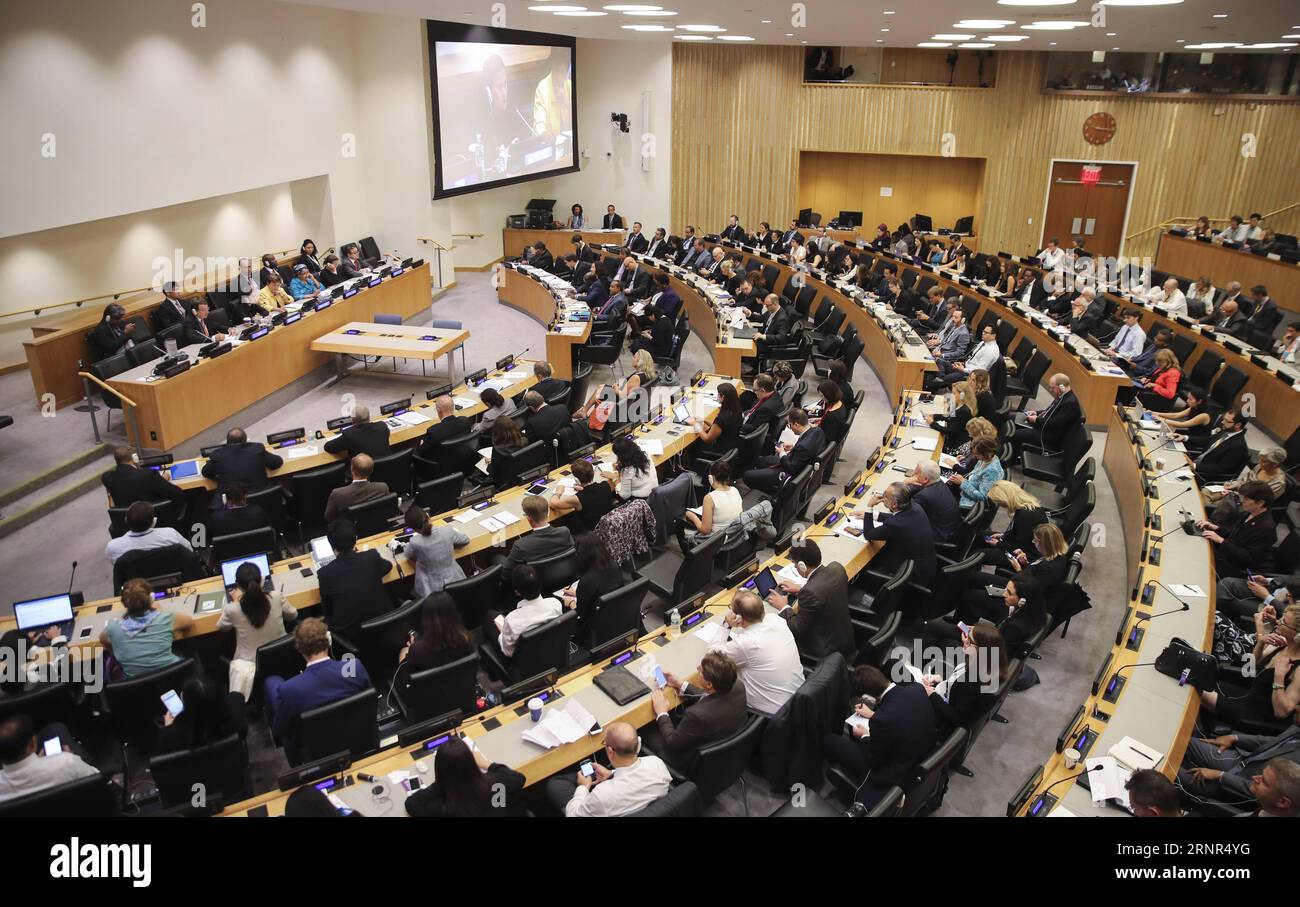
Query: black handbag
x,y
1202,670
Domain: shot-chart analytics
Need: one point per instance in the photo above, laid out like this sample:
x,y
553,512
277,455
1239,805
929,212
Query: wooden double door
x,y
1093,211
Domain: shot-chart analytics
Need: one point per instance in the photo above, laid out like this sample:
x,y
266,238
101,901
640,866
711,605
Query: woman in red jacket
x,y
1161,389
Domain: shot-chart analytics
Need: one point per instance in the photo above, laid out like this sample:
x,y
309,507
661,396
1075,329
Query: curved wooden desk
x,y
515,240
527,294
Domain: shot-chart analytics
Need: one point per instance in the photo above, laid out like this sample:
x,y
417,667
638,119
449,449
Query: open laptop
x,y
37,614
228,569
681,414
322,552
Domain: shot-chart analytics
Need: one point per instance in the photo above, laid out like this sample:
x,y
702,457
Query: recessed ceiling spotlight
x,y
880,40
766,21
734,38
1051,43
1067,25
983,24
976,45
935,44
1219,16
951,37
884,29
889,12
709,28
1110,34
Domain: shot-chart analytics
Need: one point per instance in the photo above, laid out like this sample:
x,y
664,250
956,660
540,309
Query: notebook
x,y
621,685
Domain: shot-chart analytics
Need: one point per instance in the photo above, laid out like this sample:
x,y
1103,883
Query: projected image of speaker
x,y
504,106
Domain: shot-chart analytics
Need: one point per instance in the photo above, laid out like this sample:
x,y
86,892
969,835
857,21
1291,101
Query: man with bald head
x,y
631,783
127,483
361,437
240,461
448,426
1232,320
1048,428
359,491
1169,297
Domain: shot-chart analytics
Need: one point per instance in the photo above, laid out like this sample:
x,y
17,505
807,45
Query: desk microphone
x,y
1185,605
1153,450
1154,513
72,577
1177,468
1161,537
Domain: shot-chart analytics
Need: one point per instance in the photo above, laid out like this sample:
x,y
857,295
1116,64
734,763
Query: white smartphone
x,y
172,703
588,770
53,746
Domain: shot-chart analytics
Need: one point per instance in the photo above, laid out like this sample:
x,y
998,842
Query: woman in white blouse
x,y
721,505
257,618
1200,297
636,474
798,251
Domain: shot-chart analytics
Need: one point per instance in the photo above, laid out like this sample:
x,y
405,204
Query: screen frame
x,y
436,31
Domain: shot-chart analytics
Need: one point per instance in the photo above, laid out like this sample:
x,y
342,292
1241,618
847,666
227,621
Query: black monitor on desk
x,y
805,217
849,219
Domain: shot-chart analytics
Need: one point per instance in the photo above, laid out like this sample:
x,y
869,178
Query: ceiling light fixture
x,y
557,9
734,38
976,45
708,28
1006,38
647,27
1140,2
1035,2
632,8
585,12
693,37
982,24
951,37
1067,25
935,44
658,14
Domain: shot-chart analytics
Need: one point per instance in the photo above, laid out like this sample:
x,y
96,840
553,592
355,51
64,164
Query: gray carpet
x,y
35,560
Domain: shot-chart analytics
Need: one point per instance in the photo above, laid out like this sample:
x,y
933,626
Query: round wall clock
x,y
1099,128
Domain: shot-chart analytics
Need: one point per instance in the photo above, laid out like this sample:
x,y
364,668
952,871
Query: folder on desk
x,y
621,685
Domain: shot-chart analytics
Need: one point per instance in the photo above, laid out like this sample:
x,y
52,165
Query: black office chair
x,y
277,658
1025,384
1056,466
374,517
394,471
422,695
926,603
605,352
219,770
1228,388
143,352
981,721
1085,471
677,578
926,794
555,572
271,500
350,724
721,764
165,512
617,615
516,462
133,707
439,496
154,563
45,703
475,594
1202,374
378,641
309,492
1078,510
106,369
540,649
92,796
244,544
682,801
974,521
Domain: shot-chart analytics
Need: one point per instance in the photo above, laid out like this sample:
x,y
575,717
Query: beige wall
x,y
1188,150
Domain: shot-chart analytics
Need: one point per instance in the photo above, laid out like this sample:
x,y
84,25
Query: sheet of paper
x,y
505,518
581,717
298,453
1106,777
464,402
466,516
1187,591
790,573
855,721
713,633
925,443
491,525
411,417
653,447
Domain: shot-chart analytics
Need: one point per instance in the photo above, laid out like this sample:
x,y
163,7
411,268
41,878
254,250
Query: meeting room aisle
x,y
499,733
1136,713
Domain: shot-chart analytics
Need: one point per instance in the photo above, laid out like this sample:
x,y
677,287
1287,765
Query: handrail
x,y
112,390
437,245
115,295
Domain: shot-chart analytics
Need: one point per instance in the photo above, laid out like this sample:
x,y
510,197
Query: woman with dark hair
x,y
1192,423
496,405
432,549
636,473
309,803
506,439
1202,227
256,618
596,577
141,640
577,220
208,716
466,785
834,418
967,693
719,434
1026,611
591,499
307,256
721,505
442,638
839,373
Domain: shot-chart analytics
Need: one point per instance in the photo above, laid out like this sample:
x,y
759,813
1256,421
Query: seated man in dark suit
x,y
172,310
1047,429
543,540
1231,768
448,426
819,618
633,278
197,327
933,496
1244,547
771,471
595,294
539,256
542,420
352,585
359,491
902,733
763,407
237,515
547,385
658,340
1233,322
907,535
361,437
734,231
113,335
775,327
712,709
1266,316
242,461
612,310
1227,453
322,681
128,483
636,241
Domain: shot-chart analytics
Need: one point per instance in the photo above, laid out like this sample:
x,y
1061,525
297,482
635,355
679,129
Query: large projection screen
x,y
504,106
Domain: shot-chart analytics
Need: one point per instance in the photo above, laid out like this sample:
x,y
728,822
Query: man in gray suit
x,y
1228,768
543,541
822,624
712,708
360,491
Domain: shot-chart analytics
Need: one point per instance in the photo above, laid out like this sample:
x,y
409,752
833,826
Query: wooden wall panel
x,y
945,188
742,114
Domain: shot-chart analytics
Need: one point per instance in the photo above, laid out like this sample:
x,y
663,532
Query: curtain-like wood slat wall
x,y
741,115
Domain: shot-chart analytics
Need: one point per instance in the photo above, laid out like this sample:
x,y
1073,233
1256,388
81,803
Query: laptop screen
x,y
228,568
39,613
321,549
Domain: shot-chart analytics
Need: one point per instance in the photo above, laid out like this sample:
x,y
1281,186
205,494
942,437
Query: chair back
x,y
243,544
720,764
221,768
930,771
557,571
1228,387
350,724
530,456
475,594
44,704
545,647
682,801
438,496
309,492
394,471
618,613
92,796
170,560
277,658
380,639
1202,374
134,704
696,569
374,517
437,691
271,500
1078,510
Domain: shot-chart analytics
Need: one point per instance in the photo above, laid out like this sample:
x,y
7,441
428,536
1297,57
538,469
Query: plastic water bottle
x,y
674,624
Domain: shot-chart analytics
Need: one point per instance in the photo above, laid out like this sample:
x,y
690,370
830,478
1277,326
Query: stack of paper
x,y
790,574
925,443
411,417
1106,779
463,402
561,726
855,721
653,447
713,633
297,453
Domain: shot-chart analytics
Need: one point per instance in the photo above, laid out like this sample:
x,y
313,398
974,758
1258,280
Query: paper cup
x,y
535,709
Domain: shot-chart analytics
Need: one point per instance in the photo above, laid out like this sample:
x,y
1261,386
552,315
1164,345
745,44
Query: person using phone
x,y
467,785
712,708
30,762
198,715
